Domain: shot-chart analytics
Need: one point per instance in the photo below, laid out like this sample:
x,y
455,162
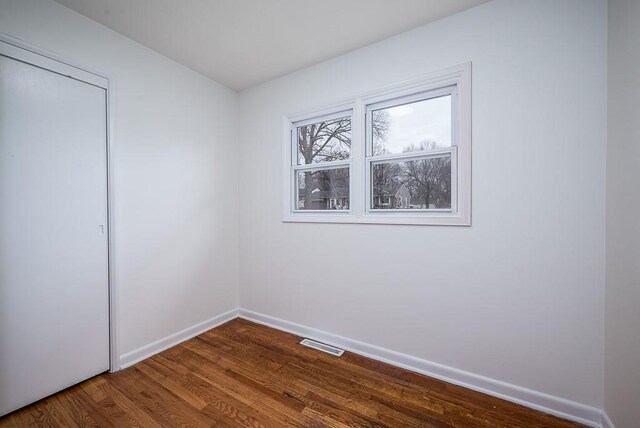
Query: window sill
x,y
387,218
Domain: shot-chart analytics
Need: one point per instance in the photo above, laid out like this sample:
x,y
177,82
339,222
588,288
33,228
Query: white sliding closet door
x,y
54,299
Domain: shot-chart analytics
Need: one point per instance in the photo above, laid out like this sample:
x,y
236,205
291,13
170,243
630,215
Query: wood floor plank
x,y
217,378
128,406
218,404
243,374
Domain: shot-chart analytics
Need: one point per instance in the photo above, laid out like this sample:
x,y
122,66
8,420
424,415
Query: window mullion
x,y
321,165
407,156
357,154
294,146
454,179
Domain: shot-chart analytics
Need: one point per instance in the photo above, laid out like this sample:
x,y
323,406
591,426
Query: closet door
x,y
54,302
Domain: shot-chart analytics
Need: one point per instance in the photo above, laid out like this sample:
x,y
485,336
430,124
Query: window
x,y
322,153
410,157
401,155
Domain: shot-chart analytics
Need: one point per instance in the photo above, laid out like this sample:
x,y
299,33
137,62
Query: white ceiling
x,y
241,43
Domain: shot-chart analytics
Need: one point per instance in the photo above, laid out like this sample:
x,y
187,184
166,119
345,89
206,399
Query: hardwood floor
x,y
245,374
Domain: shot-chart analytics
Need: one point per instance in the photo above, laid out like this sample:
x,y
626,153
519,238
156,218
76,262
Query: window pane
x,y
325,141
421,125
324,189
412,184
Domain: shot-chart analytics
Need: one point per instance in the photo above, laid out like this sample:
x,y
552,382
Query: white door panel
x,y
54,310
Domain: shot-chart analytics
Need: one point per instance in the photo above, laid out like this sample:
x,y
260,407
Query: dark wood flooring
x,y
245,374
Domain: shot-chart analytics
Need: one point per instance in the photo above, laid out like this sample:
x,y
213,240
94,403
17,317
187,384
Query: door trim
x,y
22,51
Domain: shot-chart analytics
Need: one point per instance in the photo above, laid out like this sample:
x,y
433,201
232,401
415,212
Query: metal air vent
x,y
322,347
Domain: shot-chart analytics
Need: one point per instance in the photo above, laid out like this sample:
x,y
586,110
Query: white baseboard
x,y
130,358
606,422
557,406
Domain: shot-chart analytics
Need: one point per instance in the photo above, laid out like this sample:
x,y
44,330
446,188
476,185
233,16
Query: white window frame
x,y
295,168
454,81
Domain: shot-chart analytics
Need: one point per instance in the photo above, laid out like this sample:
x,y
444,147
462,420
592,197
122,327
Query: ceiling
x,y
241,43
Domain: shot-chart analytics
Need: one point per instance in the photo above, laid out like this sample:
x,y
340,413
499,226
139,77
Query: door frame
x,y
19,50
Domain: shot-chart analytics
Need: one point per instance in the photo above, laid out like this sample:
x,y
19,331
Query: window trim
x,y
454,80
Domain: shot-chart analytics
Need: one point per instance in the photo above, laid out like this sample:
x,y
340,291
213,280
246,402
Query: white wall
x,y
517,296
622,340
175,154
